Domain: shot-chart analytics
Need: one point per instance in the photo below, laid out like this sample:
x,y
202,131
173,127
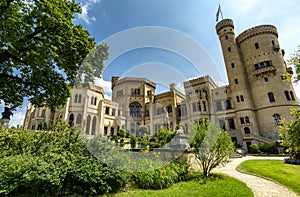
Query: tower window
x,y
287,95
232,65
228,104
292,95
271,97
242,120
237,98
277,119
273,43
242,98
229,49
266,79
226,37
256,66
236,81
256,45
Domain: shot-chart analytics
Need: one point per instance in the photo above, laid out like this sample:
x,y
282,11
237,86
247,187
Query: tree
x,y
290,134
212,146
93,64
40,51
295,61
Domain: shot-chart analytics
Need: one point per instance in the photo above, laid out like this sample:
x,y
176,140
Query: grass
x,y
276,170
218,185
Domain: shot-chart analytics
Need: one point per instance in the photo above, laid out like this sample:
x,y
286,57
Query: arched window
x,y
137,129
79,98
88,124
76,98
287,95
271,97
94,125
132,128
71,120
79,119
247,130
292,95
92,100
135,109
277,119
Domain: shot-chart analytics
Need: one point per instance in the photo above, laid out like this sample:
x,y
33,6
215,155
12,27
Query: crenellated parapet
x,y
257,30
224,23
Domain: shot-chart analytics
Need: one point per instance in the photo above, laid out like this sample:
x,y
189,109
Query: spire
x,y
218,13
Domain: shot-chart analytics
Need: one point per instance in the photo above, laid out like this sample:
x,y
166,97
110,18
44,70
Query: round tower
x,y
272,94
238,81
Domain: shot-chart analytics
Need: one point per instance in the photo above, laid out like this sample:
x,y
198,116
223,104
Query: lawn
x,y
219,185
276,170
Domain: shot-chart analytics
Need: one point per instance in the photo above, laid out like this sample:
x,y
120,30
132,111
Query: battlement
x,y
261,29
224,23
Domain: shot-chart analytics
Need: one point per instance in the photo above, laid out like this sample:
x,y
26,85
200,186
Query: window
x,y
71,120
132,128
105,131
256,45
169,109
119,93
222,124
203,105
287,95
277,119
112,131
242,98
149,93
231,123
107,110
266,79
76,98
196,107
232,65
229,49
160,110
135,109
273,43
94,125
247,121
88,124
242,120
79,119
226,37
113,112
247,130
271,97
292,95
92,100
135,91
183,111
79,98
95,101
218,105
44,113
256,66
236,81
228,104
237,98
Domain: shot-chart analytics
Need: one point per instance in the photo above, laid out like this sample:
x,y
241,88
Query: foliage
x,y
295,61
254,148
121,133
211,144
164,135
52,163
276,170
133,141
290,134
40,51
161,178
144,130
269,148
93,64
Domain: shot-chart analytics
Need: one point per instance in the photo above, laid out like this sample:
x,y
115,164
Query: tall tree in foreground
x,y
40,51
212,146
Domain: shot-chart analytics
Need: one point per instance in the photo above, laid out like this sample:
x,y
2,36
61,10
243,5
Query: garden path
x,y
260,187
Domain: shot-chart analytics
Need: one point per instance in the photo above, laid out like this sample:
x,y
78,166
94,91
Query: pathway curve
x,y
260,187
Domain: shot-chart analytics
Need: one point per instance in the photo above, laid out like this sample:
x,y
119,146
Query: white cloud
x,y
106,85
17,119
86,7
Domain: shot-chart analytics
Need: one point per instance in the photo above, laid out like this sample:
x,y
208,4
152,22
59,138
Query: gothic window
x,y
79,98
88,124
71,119
135,109
78,119
287,95
247,130
94,125
132,128
231,123
76,98
228,104
277,119
271,97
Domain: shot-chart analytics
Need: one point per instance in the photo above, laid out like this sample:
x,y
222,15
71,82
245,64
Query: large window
x,y
135,109
78,119
88,125
94,125
271,97
135,91
218,105
228,104
231,123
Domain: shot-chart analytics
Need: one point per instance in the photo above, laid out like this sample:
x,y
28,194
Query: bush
x,y
254,148
269,148
52,163
161,178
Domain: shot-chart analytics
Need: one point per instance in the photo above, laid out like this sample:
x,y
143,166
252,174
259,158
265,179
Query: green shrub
x,y
254,148
269,148
161,178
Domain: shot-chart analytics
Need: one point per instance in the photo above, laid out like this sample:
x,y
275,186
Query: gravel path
x,y
259,186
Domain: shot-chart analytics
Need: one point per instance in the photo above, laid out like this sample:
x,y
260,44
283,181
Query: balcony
x,y
265,70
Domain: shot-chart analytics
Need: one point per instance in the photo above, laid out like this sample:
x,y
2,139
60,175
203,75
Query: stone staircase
x,y
258,138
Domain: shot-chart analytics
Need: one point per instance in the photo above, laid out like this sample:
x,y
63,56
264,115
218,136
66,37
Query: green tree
x,y
212,146
295,61
93,64
41,50
290,134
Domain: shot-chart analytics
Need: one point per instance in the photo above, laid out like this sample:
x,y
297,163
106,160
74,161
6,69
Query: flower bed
x,y
292,161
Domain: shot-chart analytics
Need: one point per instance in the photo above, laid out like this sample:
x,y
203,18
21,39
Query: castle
x,y
249,108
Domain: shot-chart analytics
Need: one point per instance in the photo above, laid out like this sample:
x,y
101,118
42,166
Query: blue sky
x,y
174,40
